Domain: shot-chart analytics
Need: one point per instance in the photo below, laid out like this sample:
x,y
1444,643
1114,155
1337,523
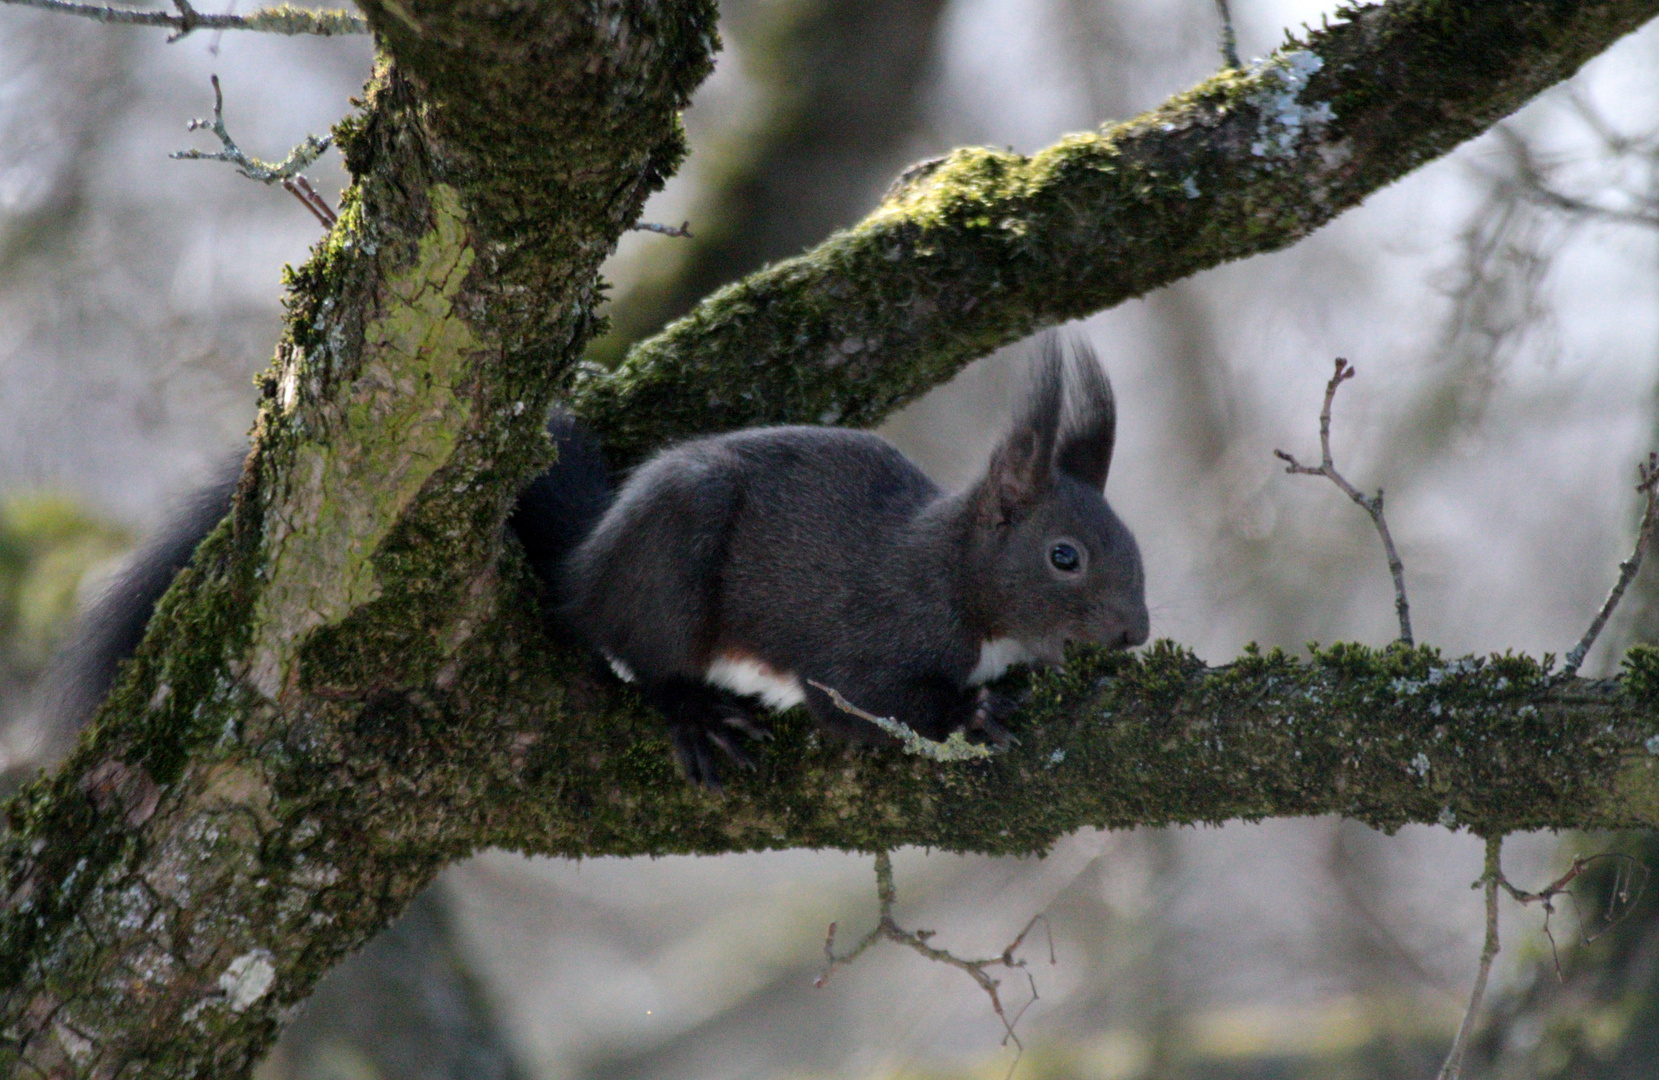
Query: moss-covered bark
x,y
164,912
981,248
349,687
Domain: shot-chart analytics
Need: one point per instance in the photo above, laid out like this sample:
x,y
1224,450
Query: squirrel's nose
x,y
1136,628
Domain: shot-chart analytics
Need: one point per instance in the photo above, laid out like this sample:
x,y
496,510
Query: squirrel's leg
x,y
700,720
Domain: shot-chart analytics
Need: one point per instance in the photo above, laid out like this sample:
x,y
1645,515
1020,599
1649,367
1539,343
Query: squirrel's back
x,y
768,540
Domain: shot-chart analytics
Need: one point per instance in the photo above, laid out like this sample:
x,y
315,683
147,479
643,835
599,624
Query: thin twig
x,y
301,189
1229,40
1453,1068
1372,506
1648,475
888,928
278,19
1620,901
286,172
666,230
955,748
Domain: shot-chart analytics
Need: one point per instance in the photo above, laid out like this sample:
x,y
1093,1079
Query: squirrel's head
x,y
1051,562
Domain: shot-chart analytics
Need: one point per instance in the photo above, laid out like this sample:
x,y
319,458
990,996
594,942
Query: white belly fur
x,y
623,671
752,679
996,657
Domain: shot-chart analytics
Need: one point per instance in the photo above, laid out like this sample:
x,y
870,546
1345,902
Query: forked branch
x,y
889,929
1631,878
287,172
1372,506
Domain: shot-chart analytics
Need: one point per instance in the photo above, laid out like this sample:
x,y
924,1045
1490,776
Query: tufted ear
x,y
1085,445
1021,472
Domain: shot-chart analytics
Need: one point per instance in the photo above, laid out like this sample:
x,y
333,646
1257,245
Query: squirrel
x,y
770,563
780,563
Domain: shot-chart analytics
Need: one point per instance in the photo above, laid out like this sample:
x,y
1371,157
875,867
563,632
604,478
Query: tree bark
x,y
350,686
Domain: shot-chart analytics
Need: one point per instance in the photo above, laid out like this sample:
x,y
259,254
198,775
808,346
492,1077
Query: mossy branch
x,y
982,247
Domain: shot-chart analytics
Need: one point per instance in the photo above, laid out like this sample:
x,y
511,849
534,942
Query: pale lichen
x,y
1284,119
248,978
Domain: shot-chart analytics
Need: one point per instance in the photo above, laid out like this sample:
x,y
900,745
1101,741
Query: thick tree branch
x,y
982,247
146,927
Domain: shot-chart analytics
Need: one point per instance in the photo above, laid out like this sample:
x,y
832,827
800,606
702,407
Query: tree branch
x,y
279,19
1372,505
983,247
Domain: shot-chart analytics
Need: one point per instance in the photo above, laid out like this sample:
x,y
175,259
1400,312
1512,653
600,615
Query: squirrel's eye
x,y
1063,556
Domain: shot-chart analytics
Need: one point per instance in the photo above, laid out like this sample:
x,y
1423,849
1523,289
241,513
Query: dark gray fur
x,y
820,552
824,553
111,627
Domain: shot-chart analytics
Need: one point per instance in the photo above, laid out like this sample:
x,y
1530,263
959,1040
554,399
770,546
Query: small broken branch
x,y
955,748
1648,475
1372,506
278,19
887,928
1229,40
682,230
301,189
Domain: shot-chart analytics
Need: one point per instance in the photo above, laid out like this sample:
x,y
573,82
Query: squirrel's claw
x,y
986,722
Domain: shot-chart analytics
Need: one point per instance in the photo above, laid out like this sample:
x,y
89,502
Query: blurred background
x,y
1501,305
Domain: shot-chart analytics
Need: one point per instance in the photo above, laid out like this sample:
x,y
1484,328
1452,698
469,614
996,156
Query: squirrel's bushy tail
x,y
553,515
562,505
110,628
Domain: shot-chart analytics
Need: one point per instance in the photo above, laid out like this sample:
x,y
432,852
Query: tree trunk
x,y
350,687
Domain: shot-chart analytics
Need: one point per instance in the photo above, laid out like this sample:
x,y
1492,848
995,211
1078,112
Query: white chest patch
x,y
996,657
754,679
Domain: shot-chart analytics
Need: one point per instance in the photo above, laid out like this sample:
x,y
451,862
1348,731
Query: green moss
x,y
399,427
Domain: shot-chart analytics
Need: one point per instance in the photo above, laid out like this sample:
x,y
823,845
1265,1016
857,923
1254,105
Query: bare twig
x,y
278,19
1629,881
1229,40
1372,506
889,929
1648,475
666,230
1453,1067
301,189
1627,888
286,172
955,748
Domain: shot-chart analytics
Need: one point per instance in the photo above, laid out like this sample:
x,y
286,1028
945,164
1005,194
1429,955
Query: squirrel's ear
x,y
1085,447
1022,468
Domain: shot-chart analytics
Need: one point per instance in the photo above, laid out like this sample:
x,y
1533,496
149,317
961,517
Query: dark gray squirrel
x,y
756,564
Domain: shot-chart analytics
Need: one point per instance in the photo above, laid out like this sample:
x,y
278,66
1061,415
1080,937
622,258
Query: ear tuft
x,y
1085,445
1021,473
